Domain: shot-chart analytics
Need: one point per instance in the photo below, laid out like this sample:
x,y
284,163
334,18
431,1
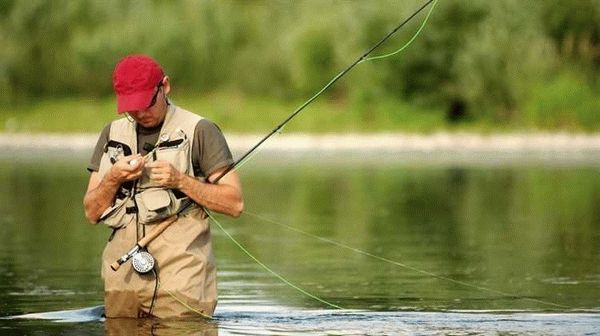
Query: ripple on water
x,y
262,319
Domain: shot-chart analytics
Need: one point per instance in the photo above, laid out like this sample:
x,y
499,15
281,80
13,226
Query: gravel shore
x,y
454,149
389,142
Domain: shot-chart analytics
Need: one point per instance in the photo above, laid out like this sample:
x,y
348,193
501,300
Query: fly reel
x,y
143,262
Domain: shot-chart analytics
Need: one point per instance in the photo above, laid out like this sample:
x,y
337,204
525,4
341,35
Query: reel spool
x,y
143,262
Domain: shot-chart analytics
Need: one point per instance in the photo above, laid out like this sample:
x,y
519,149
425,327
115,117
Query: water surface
x,y
405,246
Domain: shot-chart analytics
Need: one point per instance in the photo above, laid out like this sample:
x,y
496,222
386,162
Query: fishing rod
x,y
143,262
139,247
146,262
362,58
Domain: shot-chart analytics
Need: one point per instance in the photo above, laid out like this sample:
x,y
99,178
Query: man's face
x,y
155,113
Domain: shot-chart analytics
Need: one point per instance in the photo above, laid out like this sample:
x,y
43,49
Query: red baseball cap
x,y
135,80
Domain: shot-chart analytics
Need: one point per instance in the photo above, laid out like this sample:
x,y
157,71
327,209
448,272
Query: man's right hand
x,y
128,168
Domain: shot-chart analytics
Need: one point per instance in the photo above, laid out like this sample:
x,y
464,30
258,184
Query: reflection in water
x,y
145,326
272,320
493,227
532,231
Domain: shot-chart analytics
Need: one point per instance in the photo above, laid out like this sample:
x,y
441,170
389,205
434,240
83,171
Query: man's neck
x,y
148,130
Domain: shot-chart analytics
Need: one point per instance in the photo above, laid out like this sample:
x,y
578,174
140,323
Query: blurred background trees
x,y
531,63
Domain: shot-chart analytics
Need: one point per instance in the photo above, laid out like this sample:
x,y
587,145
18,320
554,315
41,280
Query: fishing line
x,y
250,153
250,156
155,291
280,277
397,263
407,43
183,303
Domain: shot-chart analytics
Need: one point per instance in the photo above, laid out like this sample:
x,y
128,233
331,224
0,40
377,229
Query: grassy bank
x,y
557,105
233,112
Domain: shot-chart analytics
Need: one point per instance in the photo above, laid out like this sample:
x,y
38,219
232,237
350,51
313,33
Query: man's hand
x,y
101,191
164,174
128,168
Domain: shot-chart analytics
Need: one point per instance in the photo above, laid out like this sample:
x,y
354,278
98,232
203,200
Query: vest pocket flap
x,y
155,199
117,216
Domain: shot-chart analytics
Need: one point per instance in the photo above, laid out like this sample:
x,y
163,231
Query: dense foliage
x,y
505,61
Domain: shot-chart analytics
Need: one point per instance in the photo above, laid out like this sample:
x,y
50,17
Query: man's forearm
x,y
98,199
221,198
101,191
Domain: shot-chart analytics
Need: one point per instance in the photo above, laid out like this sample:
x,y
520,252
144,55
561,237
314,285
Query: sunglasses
x,y
158,86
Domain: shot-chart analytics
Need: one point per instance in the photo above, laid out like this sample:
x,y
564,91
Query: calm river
x,y
405,246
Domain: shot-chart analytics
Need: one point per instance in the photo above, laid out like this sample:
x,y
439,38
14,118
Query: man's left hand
x,y
164,174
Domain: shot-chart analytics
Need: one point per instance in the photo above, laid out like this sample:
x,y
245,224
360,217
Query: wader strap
x,y
178,194
120,194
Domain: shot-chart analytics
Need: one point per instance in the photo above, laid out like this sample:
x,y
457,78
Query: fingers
x,y
159,164
131,168
160,179
163,173
132,163
128,168
159,169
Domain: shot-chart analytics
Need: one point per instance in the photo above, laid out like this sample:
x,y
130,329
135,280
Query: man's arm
x,y
101,192
224,197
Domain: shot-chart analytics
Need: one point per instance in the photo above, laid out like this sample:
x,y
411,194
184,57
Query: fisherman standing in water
x,y
155,163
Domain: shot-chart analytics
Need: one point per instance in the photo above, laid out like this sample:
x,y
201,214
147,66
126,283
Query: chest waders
x,y
183,254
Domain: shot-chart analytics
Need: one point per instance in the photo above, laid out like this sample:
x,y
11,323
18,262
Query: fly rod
x,y
311,99
146,261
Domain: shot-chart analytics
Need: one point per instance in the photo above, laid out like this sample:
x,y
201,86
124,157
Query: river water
x,y
480,246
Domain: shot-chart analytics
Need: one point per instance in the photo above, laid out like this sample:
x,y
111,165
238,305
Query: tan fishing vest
x,y
183,252
143,198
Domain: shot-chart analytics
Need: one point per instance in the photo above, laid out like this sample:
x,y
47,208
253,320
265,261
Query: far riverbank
x,y
554,148
401,142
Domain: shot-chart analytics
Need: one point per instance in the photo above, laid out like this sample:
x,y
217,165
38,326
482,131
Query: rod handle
x,y
158,229
115,266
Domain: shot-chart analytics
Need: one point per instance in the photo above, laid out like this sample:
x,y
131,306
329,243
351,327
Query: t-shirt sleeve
x,y
94,164
210,149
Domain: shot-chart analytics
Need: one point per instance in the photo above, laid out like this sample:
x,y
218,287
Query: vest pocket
x,y
154,204
117,215
175,152
177,156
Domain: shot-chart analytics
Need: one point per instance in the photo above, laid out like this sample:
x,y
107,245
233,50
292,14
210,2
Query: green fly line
x,y
278,130
397,263
253,151
183,303
267,268
378,57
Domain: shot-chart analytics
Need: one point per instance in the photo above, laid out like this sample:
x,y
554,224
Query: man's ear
x,y
166,85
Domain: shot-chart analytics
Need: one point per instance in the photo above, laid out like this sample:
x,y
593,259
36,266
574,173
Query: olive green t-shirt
x,y
210,151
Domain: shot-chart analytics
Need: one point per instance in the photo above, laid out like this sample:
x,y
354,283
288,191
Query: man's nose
x,y
141,113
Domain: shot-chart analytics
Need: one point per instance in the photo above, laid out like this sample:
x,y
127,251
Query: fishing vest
x,y
143,199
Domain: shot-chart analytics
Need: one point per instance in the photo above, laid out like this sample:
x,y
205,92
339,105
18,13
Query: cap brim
x,y
135,101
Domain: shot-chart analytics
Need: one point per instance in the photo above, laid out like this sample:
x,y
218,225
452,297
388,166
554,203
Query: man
x,y
158,162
